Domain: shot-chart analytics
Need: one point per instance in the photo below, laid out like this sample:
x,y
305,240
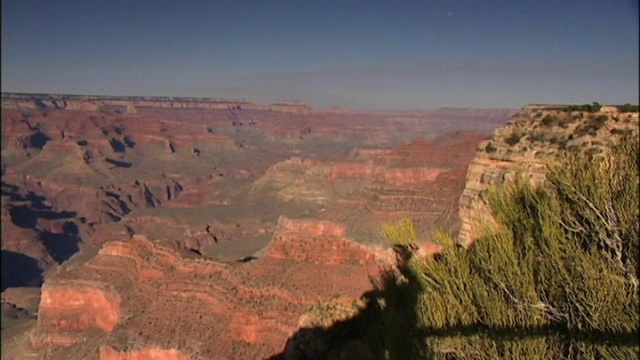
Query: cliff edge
x,y
533,137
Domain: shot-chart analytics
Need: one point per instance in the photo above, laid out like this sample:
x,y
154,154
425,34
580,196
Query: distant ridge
x,y
132,103
16,95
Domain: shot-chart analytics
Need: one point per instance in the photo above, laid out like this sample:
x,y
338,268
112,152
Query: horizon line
x,y
5,94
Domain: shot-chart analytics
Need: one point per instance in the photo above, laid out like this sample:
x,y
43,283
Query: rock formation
x,y
116,304
532,138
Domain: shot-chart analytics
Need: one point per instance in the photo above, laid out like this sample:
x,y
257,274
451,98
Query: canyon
x,y
190,228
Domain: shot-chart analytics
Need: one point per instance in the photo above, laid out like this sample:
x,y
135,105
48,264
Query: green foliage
x,y
556,139
540,136
593,151
600,120
491,147
564,122
515,137
618,131
592,126
400,233
593,107
628,108
549,121
557,278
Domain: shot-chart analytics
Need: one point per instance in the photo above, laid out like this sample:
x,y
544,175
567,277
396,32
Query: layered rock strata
x,y
130,105
145,299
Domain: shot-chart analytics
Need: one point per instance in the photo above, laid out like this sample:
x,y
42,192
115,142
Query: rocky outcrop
x,y
101,204
532,138
152,353
78,307
418,180
310,228
145,298
328,240
312,181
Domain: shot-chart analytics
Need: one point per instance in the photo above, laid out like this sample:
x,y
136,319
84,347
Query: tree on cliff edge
x,y
556,279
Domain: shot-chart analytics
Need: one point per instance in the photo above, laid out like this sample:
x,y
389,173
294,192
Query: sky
x,y
358,54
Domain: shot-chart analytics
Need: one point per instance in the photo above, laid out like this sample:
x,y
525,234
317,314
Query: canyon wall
x,y
146,299
130,105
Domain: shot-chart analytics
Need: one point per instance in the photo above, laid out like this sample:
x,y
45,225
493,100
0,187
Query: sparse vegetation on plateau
x,y
628,108
592,126
556,279
624,132
491,147
594,107
564,122
515,137
549,121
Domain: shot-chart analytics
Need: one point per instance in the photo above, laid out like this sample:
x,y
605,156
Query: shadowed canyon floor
x,y
201,229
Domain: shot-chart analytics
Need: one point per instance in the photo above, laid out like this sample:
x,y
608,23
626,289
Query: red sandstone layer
x,y
227,310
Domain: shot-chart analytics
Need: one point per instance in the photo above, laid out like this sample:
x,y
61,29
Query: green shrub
x,y
549,121
592,126
618,131
557,278
490,148
401,233
556,139
628,108
599,121
593,107
593,151
515,137
573,148
564,122
539,136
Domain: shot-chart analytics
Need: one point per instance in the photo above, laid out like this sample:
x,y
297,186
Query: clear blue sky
x,y
360,54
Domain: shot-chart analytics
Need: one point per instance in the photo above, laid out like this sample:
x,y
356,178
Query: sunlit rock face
x,y
141,298
152,353
78,308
